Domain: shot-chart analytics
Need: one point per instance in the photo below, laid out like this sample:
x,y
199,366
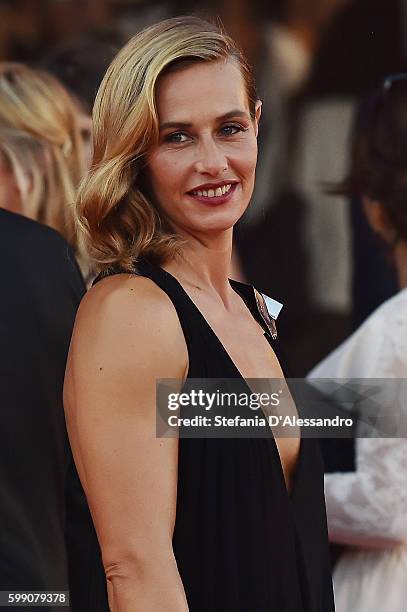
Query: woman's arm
x,y
369,507
127,335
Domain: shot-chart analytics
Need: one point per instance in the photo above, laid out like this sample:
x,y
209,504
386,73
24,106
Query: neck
x,y
400,259
205,264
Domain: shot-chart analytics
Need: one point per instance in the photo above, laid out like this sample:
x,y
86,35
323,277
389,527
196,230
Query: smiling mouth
x,y
219,192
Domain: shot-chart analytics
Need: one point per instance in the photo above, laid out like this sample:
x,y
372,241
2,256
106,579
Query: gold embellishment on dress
x,y
269,313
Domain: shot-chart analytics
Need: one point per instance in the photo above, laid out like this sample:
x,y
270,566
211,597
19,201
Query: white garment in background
x,y
321,159
367,509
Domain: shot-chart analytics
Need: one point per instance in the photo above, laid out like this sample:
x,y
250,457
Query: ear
x,y
378,219
257,114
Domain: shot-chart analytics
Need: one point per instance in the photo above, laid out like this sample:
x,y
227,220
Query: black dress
x,y
242,543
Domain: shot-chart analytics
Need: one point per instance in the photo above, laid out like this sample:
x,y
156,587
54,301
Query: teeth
x,y
213,193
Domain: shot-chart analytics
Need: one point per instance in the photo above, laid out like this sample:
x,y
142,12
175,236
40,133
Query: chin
x,y
218,222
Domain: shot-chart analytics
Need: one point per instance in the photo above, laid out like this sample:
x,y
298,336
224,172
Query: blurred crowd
x,y
325,233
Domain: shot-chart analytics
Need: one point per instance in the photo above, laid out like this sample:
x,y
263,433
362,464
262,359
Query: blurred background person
x,y
41,287
339,260
42,159
41,147
367,509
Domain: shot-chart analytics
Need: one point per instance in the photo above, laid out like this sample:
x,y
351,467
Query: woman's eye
x,y
177,137
231,130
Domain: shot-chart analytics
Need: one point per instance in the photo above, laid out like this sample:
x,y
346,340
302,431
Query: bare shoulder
x,y
129,317
126,295
128,302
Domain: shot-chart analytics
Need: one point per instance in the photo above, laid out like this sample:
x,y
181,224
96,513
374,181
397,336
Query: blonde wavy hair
x,y
114,209
40,137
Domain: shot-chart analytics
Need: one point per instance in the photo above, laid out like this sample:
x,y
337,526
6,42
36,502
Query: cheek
x,y
167,172
245,161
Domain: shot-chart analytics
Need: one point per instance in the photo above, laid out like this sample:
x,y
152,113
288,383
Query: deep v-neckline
x,y
234,284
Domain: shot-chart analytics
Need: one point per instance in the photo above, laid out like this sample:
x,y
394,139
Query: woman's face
x,y
202,169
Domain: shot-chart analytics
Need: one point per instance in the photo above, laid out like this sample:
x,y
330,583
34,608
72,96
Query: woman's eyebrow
x,y
184,125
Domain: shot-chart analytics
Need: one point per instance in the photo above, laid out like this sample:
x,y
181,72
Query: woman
x,y
189,524
367,509
42,155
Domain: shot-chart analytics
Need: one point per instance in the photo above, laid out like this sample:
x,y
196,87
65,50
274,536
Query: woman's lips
x,y
215,200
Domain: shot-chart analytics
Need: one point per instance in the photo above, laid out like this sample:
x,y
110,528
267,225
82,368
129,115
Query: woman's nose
x,y
210,159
